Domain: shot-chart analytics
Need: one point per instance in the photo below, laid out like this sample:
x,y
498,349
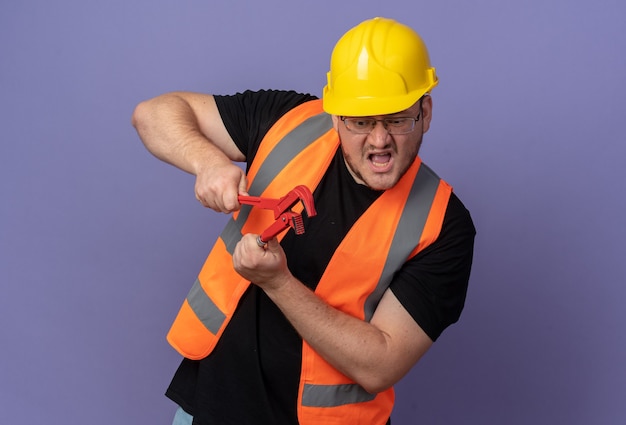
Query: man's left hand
x,y
265,266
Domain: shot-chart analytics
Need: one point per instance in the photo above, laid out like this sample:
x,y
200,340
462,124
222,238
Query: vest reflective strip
x,y
334,395
408,232
206,311
287,149
232,231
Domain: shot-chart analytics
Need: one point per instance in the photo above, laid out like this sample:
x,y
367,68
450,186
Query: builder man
x,y
316,328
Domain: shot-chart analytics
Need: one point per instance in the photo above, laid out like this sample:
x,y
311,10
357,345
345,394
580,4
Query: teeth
x,y
380,160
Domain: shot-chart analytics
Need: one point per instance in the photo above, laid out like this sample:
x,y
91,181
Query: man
x,y
316,328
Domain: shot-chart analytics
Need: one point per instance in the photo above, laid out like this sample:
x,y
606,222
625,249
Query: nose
x,y
379,135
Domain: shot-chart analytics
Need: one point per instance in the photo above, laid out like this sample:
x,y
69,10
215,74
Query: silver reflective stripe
x,y
334,395
408,232
287,149
232,231
208,313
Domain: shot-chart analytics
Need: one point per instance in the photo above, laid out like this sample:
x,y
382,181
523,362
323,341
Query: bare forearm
x,y
356,348
170,130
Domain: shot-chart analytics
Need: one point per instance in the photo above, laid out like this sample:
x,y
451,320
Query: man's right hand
x,y
217,187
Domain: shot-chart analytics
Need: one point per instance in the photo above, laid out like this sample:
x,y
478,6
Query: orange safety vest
x,y
401,222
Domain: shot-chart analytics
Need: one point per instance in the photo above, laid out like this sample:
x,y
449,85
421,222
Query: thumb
x,y
243,185
273,245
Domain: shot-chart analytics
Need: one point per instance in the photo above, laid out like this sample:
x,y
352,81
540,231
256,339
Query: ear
x,y
335,122
427,112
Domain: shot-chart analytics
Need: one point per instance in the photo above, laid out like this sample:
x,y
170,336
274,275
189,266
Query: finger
x,y
230,201
231,198
200,199
243,185
272,245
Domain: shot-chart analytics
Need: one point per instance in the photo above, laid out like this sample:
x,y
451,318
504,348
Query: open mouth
x,y
381,160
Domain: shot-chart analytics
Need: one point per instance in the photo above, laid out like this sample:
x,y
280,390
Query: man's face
x,y
380,159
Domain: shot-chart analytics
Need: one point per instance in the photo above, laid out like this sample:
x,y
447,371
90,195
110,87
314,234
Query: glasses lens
x,y
360,125
399,125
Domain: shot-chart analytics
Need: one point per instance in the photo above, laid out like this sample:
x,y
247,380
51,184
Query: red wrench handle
x,y
257,201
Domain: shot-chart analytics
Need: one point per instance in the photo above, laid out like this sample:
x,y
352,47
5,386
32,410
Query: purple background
x,y
99,241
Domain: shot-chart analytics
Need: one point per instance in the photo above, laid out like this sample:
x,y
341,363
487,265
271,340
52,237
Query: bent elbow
x,y
375,385
145,121
140,115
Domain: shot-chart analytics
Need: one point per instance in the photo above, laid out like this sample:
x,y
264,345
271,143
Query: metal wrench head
x,y
299,193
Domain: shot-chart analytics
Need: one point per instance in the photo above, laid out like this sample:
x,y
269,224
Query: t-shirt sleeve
x,y
432,286
249,115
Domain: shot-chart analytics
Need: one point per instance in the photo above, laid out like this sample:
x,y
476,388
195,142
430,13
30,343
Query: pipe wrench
x,y
284,216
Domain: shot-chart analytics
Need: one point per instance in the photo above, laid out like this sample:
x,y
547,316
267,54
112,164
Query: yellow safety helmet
x,y
378,67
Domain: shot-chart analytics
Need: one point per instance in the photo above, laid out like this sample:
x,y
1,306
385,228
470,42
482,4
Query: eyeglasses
x,y
393,125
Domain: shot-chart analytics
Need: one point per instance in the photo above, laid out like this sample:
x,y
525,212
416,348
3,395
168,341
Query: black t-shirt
x,y
253,373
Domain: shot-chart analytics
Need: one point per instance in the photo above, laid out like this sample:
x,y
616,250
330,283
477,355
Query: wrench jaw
x,y
297,224
285,221
299,193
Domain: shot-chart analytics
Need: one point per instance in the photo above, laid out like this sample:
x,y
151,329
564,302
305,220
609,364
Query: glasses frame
x,y
385,121
382,120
